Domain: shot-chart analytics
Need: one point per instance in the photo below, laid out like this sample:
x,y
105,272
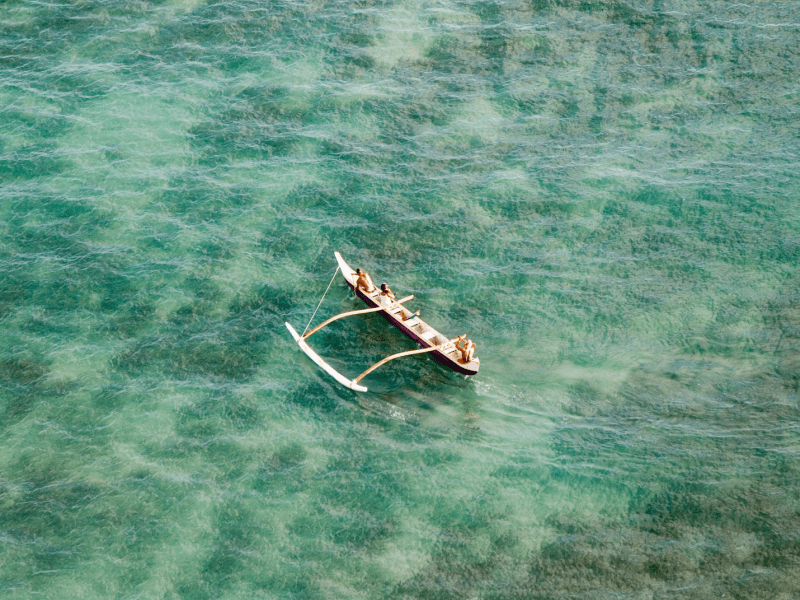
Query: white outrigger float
x,y
443,350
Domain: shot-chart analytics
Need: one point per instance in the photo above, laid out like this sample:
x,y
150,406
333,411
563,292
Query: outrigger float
x,y
442,349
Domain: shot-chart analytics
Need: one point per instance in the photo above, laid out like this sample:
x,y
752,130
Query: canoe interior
x,y
412,326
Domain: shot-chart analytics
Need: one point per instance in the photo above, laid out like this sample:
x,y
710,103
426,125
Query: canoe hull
x,y
412,326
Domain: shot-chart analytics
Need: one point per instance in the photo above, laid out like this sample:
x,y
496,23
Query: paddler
x,y
471,346
386,291
465,347
363,281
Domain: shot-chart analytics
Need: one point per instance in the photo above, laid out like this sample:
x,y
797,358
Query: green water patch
x,y
188,345
601,196
21,377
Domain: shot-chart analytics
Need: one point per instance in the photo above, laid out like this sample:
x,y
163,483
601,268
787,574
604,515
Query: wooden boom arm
x,y
401,354
357,312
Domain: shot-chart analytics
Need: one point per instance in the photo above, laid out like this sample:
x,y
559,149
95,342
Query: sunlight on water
x,y
602,196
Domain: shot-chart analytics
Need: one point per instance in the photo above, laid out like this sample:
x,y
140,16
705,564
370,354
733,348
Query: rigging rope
x,y
320,301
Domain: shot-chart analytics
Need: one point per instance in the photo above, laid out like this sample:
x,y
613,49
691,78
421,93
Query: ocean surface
x,y
605,196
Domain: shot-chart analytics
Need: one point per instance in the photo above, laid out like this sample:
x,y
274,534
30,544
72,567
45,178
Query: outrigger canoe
x,y
442,349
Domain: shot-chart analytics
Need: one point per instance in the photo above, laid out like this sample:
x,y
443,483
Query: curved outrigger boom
x,y
356,312
351,383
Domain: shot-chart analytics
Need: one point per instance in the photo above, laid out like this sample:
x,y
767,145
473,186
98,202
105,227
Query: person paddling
x,y
363,281
386,291
466,348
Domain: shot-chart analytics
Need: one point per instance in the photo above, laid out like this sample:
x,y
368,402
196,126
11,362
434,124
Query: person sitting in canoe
x,y
386,291
471,346
466,348
363,281
461,345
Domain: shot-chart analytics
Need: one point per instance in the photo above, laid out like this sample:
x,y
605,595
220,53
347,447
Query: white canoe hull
x,y
412,326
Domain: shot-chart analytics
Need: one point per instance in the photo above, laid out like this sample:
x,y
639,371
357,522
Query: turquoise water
x,y
603,195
